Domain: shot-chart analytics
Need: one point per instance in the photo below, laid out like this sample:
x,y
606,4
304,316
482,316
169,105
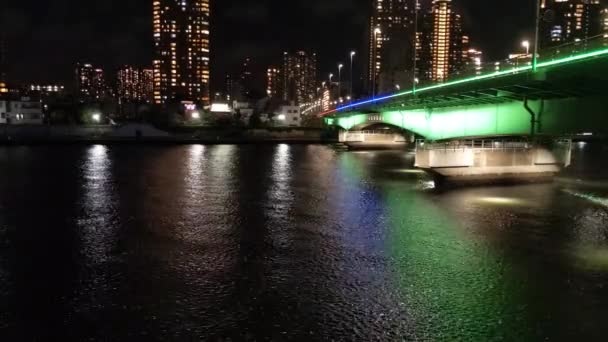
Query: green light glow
x,y
516,70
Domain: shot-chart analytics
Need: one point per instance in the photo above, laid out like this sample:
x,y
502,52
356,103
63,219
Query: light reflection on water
x,y
303,243
97,220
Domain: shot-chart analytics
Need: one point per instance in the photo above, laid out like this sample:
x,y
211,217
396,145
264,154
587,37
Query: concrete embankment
x,y
143,133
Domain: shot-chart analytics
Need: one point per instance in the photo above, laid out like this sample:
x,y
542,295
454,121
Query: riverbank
x,y
147,134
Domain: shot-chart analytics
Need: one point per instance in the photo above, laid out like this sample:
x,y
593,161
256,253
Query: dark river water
x,y
302,243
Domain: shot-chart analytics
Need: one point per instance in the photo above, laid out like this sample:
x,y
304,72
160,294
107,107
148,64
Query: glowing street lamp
x,y
330,77
526,45
340,66
352,55
96,117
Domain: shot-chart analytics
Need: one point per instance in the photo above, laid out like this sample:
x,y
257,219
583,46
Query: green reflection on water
x,y
455,286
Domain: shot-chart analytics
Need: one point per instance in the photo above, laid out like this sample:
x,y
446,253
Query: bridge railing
x,y
523,62
481,144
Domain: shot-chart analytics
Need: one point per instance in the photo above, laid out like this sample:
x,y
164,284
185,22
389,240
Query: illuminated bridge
x,y
562,94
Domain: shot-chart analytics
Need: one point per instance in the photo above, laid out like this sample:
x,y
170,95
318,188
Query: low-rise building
x,y
24,110
288,115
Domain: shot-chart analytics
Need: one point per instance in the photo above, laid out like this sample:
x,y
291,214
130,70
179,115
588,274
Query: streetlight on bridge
x,y
352,55
526,45
340,66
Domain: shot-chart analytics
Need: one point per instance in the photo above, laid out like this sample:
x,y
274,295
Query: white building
x,y
24,111
288,115
3,111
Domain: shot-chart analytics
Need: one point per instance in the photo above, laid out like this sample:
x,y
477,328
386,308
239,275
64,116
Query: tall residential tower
x,y
3,86
299,77
181,42
391,39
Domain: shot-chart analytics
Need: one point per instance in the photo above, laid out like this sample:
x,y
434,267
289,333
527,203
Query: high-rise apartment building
x,y
299,76
566,21
181,41
146,85
98,87
391,38
90,82
441,39
442,46
127,84
273,82
3,67
246,78
135,85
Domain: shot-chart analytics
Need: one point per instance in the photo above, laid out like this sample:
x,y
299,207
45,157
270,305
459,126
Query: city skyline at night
x,y
311,26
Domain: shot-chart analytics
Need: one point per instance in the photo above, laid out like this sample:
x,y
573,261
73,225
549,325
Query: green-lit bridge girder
x,y
557,117
567,96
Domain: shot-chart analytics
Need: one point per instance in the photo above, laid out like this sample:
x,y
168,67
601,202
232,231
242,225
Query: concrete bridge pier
x,y
481,161
375,139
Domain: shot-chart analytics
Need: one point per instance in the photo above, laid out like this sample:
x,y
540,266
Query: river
x,y
293,242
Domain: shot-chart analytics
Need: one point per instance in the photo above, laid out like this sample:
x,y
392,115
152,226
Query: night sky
x,y
46,38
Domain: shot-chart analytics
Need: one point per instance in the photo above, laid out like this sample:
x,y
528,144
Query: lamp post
x,y
340,66
377,31
415,47
526,45
536,37
352,55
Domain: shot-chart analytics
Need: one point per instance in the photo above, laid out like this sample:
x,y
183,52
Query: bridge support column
x,y
376,140
493,160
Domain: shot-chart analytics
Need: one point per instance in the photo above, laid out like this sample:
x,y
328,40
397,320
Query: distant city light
x,y
96,117
282,117
196,115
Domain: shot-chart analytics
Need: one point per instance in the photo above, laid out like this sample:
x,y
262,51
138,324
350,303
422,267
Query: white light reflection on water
x,y
494,200
97,222
280,193
195,175
408,171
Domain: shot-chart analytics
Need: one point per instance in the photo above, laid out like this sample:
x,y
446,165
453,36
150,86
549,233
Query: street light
x,y
415,83
526,45
96,117
330,77
377,31
340,66
352,55
536,36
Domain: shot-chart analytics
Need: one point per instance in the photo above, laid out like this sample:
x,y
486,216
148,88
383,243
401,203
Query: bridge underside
x,y
562,116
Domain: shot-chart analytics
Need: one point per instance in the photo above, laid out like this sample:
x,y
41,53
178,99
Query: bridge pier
x,y
479,161
374,139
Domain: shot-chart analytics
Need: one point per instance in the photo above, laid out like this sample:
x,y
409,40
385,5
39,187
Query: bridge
x,y
560,94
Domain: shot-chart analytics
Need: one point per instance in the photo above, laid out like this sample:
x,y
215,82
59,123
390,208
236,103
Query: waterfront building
x,y
21,111
181,64
288,115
